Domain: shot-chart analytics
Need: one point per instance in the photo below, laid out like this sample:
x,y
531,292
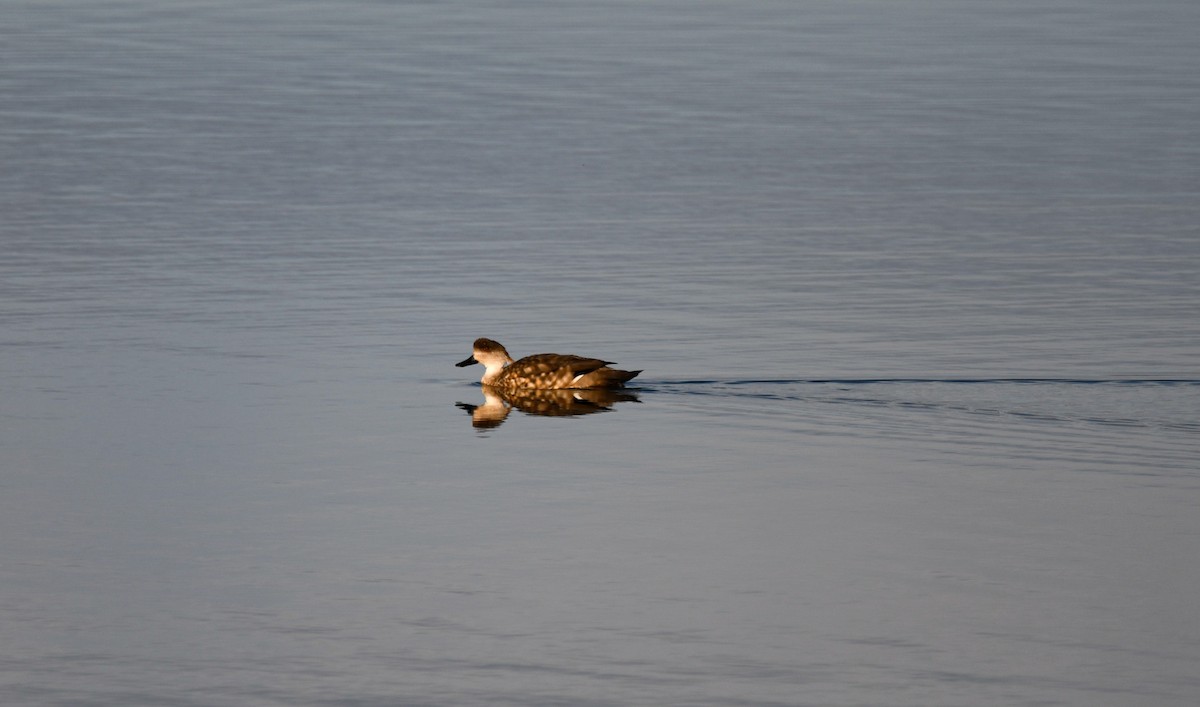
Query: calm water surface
x,y
915,287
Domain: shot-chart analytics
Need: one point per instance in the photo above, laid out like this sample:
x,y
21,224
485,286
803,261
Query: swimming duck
x,y
545,371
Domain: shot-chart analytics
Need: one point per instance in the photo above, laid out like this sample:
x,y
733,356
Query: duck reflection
x,y
498,402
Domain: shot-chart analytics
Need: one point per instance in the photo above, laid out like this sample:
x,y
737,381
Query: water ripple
x,y
1135,426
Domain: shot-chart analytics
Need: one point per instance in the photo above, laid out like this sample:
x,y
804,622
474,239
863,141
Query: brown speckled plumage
x,y
546,371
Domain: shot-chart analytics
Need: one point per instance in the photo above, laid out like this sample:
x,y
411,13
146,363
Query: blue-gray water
x,y
915,285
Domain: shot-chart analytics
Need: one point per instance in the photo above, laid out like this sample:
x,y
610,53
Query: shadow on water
x,y
1166,403
499,403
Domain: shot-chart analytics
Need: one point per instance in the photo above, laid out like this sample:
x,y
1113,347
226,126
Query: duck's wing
x,y
604,378
547,371
549,362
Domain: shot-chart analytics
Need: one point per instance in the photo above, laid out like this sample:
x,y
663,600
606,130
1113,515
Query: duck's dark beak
x,y
467,361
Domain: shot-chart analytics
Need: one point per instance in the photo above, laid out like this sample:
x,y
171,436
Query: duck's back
x,y
547,371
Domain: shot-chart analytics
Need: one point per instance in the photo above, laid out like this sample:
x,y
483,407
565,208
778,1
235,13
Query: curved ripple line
x,y
954,381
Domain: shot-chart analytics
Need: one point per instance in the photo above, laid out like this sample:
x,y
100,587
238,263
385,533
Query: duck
x,y
545,371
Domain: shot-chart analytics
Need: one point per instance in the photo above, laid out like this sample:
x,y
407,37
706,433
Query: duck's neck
x,y
494,369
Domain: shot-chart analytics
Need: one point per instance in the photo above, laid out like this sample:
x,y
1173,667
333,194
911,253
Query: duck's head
x,y
487,352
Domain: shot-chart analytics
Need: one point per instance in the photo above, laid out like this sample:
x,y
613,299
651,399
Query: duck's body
x,y
543,371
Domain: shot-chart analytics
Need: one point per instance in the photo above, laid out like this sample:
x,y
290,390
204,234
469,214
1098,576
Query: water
x,y
914,286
